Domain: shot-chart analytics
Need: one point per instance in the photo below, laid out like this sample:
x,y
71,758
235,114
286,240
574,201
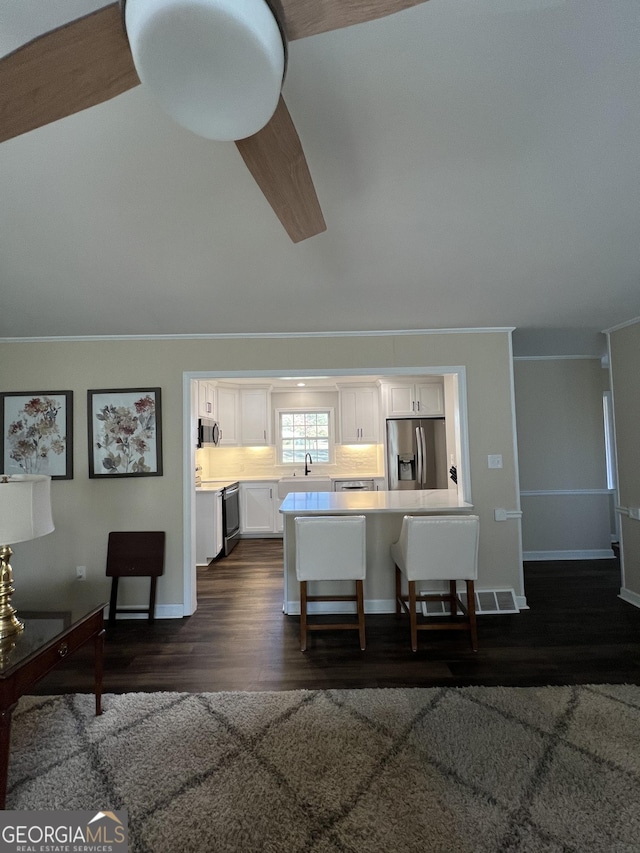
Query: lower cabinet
x,y
208,526
259,506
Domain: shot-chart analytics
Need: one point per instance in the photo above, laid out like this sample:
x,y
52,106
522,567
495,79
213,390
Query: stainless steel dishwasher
x,y
353,486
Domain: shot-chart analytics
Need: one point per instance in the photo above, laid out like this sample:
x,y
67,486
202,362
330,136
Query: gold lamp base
x,y
9,622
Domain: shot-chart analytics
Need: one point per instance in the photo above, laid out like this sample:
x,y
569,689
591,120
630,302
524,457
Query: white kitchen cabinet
x,y
228,415
411,400
208,525
206,399
430,398
359,415
258,502
255,412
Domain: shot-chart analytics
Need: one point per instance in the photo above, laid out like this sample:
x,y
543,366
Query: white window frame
x,y
296,410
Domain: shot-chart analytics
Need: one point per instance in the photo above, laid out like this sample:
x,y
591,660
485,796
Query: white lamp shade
x,y
215,66
25,508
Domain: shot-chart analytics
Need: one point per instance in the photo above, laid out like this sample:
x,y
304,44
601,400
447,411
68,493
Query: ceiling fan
x,y
216,66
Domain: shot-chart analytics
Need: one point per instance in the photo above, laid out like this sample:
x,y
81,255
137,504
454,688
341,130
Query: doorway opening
x,y
455,397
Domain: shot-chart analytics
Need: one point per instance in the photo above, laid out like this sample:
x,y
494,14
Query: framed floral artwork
x,y
37,433
125,433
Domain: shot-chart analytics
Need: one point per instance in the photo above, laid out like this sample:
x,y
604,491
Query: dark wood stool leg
x,y
114,600
413,616
303,616
471,608
360,600
152,600
452,596
398,591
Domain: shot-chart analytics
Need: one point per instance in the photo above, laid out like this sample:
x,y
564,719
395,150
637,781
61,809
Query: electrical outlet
x,y
494,460
81,573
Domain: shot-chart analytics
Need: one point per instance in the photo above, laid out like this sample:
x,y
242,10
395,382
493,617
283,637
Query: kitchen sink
x,y
303,484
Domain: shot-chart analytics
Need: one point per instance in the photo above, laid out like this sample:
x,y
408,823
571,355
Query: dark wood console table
x,y
48,637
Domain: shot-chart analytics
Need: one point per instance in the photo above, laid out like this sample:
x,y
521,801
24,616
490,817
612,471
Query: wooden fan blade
x,y
275,158
64,71
302,18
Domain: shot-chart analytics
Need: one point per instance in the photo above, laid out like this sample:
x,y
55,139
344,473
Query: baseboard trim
x,y
629,596
595,554
265,535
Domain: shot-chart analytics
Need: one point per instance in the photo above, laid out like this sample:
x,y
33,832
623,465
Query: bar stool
x,y
331,548
134,554
438,547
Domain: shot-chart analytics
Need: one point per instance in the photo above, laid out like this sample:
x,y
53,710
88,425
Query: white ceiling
x,y
477,163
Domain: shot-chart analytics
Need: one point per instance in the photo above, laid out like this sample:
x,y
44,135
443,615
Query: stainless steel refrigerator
x,y
416,454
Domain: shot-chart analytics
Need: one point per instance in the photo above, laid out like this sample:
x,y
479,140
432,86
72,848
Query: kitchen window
x,y
302,431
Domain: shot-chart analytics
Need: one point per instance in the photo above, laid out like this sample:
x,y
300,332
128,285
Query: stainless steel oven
x,y
231,516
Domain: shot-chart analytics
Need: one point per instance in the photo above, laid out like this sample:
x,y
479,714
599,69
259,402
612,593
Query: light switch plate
x,y
494,460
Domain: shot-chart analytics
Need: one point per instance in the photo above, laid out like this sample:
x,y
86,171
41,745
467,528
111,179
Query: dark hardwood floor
x,y
576,631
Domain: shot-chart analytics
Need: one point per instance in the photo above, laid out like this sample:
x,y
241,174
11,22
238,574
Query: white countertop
x,y
246,478
214,485
428,501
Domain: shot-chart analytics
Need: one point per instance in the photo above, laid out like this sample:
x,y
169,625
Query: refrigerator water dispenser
x,y
406,467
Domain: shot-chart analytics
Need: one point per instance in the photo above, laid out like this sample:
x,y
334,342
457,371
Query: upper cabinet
x,y
228,415
243,414
413,400
206,399
359,414
255,416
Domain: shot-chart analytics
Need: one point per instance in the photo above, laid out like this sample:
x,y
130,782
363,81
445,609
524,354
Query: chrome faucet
x,y
306,467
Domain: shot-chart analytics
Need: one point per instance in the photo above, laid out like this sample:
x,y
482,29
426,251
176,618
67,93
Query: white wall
x,y
86,510
565,502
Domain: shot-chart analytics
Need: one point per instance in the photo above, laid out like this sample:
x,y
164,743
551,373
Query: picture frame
x,y
125,432
37,433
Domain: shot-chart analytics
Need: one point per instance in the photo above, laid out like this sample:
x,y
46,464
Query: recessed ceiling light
x,y
301,384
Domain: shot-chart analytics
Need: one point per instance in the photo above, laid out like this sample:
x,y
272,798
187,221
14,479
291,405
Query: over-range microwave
x,y
208,433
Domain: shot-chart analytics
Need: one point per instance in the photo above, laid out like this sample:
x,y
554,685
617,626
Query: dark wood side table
x,y
48,637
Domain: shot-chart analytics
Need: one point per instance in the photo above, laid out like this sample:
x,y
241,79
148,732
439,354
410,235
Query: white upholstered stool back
x,y
331,548
438,548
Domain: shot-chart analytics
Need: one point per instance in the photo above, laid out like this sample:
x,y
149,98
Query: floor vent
x,y
487,601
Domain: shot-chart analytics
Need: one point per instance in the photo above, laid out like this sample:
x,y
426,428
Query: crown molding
x,y
258,335
556,357
621,326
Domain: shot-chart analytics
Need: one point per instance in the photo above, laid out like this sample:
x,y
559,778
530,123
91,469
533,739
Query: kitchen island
x,y
384,512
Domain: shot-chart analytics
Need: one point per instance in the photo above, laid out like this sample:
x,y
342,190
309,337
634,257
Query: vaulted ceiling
x,y
476,161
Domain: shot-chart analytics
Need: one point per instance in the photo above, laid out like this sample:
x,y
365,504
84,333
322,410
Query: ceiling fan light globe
x,y
215,66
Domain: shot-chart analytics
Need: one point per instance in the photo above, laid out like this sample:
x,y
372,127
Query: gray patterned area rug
x,y
356,771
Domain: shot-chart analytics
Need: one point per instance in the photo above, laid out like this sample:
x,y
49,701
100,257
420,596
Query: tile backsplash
x,y
244,463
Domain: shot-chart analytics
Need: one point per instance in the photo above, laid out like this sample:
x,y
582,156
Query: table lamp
x,y
25,513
